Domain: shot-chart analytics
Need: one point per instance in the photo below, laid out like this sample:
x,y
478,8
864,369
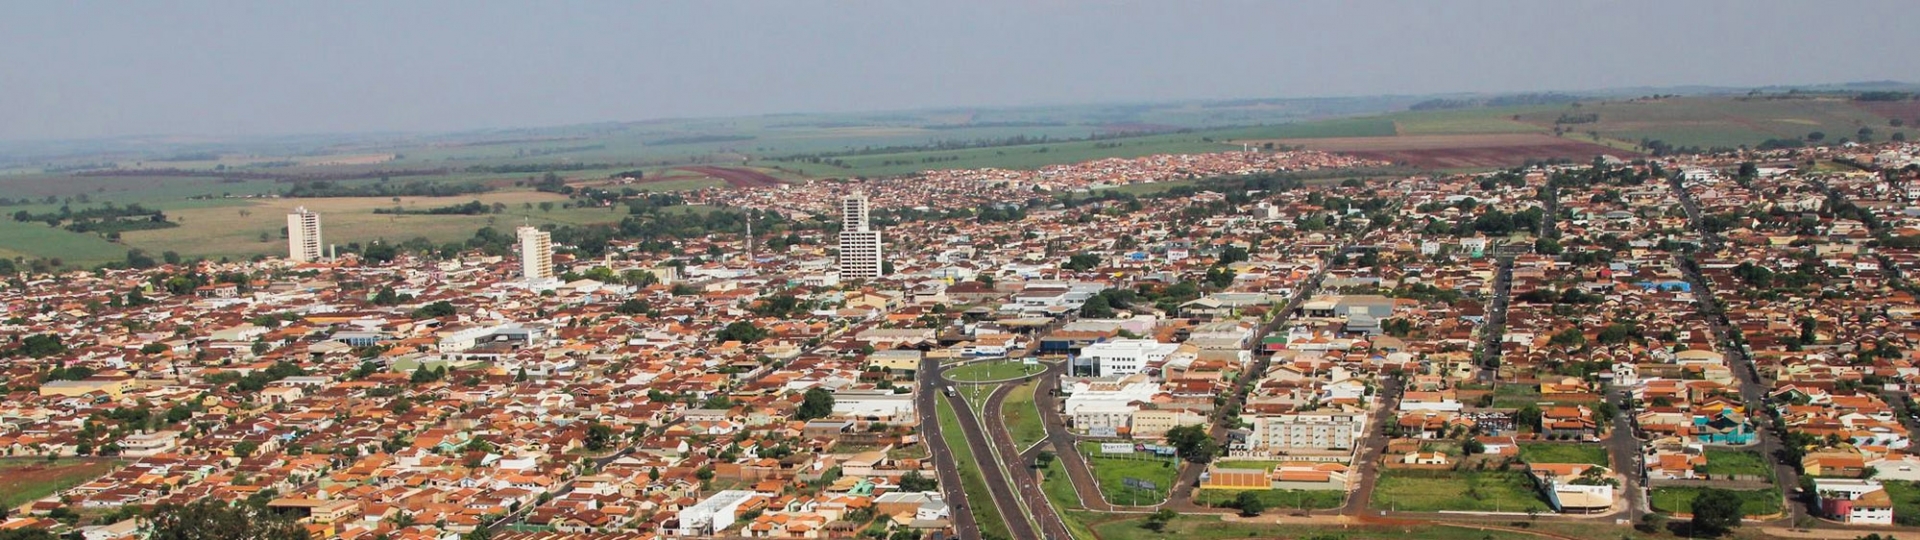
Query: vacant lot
x,y
1113,470
235,231
1278,500
1679,500
1489,491
26,480
1460,151
1563,453
1741,462
1906,501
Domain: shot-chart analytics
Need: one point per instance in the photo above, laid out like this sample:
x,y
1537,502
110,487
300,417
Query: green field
x,y
1209,527
1513,396
972,481
1745,462
991,371
1278,500
1023,417
1563,453
1906,501
1113,470
1718,121
1488,491
1059,487
25,480
1466,121
1679,500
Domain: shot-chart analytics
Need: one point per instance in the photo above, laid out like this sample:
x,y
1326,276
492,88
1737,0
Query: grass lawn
x,y
992,371
1487,491
1113,470
1679,500
972,481
1278,500
26,480
1209,527
1058,486
1906,501
1515,395
1563,453
1246,464
1023,417
1738,462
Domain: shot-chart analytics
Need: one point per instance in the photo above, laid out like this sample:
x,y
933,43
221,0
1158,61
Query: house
x,y
1834,463
1575,488
1854,502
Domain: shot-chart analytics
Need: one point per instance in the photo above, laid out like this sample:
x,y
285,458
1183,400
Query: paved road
x,y
1065,446
944,466
1018,521
1365,473
1625,447
1752,390
1007,454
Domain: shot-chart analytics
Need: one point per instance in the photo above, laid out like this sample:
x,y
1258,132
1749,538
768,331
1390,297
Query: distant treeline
x,y
1884,96
523,168
418,188
832,158
994,125
1516,100
473,208
194,156
277,177
698,139
109,219
560,150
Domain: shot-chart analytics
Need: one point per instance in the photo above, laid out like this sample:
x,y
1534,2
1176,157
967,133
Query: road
x,y
1753,391
1366,468
1624,447
943,464
1065,445
1026,485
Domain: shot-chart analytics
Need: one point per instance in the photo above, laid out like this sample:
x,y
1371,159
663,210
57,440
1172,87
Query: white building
x,y
1315,431
1125,356
536,255
860,249
1853,501
1104,408
714,514
303,236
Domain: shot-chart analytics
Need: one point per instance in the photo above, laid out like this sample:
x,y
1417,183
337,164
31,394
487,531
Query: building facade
x,y
860,248
536,254
303,236
1125,356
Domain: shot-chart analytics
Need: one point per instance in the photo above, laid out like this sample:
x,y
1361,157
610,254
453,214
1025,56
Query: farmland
x,y
23,480
1717,121
1460,151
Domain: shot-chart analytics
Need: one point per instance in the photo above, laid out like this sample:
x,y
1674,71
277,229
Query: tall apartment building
x,y
860,250
303,236
1313,431
536,254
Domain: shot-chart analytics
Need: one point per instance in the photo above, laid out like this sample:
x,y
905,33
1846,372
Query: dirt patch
x,y
1460,151
739,178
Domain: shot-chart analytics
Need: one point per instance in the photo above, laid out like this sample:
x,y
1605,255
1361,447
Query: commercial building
x,y
1316,431
860,248
1853,501
1125,356
303,236
714,514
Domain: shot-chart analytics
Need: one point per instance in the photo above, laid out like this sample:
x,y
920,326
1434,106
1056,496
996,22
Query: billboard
x,y
1116,448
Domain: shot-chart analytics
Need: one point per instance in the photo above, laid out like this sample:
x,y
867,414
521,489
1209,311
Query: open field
x,y
1906,501
736,177
25,480
1465,121
1563,453
1717,121
1742,462
1022,416
991,371
1489,491
1278,500
1679,500
1111,471
972,480
1460,151
234,231
1209,527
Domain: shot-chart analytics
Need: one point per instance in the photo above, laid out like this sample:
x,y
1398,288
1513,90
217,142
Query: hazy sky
x,y
91,69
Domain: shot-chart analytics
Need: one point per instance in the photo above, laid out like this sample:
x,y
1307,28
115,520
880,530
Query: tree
x,y
1193,442
1159,520
1097,308
27,534
1528,416
913,481
816,403
1716,511
211,519
1249,503
599,436
1473,447
434,310
741,331
633,306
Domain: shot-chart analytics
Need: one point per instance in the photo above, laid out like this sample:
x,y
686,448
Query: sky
x,y
91,69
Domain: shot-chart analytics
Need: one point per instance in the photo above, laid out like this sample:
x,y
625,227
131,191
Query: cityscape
x,y
1665,308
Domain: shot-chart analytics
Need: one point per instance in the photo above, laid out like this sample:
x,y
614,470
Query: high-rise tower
x,y
303,236
860,249
536,254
